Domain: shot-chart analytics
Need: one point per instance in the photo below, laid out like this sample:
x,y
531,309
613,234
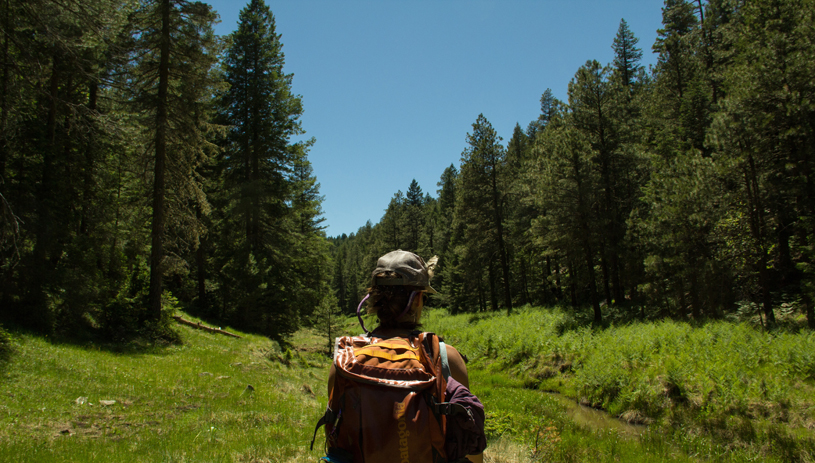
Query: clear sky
x,y
391,88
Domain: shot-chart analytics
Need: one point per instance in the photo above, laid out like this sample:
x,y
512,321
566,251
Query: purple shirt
x,y
465,431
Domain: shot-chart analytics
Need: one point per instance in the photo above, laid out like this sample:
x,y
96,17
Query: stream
x,y
595,419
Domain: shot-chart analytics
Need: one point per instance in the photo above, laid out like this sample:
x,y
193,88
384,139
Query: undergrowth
x,y
747,390
5,344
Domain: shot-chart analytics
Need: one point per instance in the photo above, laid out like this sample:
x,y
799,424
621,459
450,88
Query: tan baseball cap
x,y
409,266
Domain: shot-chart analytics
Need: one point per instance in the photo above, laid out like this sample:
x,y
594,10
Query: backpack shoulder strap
x,y
445,365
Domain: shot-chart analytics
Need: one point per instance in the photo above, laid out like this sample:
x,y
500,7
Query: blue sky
x,y
391,88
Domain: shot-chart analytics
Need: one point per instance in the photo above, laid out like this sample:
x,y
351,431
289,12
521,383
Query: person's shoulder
x,y
452,352
458,366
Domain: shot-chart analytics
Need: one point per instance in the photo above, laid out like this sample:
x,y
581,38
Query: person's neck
x,y
386,333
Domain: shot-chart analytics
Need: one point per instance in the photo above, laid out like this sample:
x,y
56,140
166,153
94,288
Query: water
x,y
596,420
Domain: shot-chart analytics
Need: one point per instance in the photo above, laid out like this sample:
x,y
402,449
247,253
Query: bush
x,y
127,318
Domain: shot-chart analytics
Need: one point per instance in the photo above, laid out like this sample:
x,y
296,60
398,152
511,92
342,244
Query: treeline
x,y
146,162
686,190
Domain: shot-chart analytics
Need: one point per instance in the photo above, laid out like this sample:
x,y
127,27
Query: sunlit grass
x,y
723,390
180,403
191,403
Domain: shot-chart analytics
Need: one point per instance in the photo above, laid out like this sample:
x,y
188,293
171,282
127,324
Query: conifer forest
x,y
148,164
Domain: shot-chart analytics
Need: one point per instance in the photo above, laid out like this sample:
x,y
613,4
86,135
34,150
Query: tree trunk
x,y
113,262
757,228
810,311
546,292
256,192
524,280
41,271
493,295
616,283
159,187
87,180
586,236
604,269
4,94
678,70
680,289
482,302
572,278
595,303
786,268
708,54
201,263
499,230
695,300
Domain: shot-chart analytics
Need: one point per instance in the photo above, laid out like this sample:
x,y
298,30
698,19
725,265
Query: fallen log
x,y
199,326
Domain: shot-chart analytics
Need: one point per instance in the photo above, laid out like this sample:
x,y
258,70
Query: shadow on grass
x,y
89,338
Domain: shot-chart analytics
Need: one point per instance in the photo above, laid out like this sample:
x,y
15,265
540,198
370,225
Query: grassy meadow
x,y
187,403
718,392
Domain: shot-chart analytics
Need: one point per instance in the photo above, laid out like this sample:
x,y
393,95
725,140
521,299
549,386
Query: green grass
x,y
719,392
175,404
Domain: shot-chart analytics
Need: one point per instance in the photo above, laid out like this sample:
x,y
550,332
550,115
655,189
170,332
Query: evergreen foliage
x,y
627,55
684,191
147,164
118,130
266,267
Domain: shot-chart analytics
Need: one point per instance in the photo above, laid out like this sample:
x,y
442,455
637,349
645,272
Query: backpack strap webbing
x,y
329,417
450,409
445,365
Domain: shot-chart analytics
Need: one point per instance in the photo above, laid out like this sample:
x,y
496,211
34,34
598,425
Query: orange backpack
x,y
384,406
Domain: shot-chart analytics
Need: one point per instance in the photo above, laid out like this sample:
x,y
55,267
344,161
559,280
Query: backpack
x,y
387,401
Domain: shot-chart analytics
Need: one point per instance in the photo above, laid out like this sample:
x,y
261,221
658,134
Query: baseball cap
x,y
412,268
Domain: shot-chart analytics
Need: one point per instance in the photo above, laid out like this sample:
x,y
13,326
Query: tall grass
x,y
739,386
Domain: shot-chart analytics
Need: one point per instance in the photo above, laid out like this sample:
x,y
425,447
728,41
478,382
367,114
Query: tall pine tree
x,y
269,235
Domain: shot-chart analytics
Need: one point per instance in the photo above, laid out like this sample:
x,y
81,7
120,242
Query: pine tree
x,y
565,183
626,54
55,135
269,237
550,106
674,44
595,112
764,135
443,212
264,115
176,49
414,195
479,208
413,219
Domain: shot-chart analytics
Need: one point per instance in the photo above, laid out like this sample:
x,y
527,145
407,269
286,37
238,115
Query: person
x,y
399,287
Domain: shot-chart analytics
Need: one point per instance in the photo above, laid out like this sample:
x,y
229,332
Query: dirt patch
x,y
188,407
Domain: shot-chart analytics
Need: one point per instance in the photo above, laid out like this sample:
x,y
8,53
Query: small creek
x,y
594,419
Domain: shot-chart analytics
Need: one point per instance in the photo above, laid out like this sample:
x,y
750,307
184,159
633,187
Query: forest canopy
x,y
147,164
685,190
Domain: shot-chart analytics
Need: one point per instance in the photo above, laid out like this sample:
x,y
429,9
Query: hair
x,y
389,301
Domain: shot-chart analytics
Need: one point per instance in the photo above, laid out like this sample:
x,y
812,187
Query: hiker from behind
x,y
397,394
